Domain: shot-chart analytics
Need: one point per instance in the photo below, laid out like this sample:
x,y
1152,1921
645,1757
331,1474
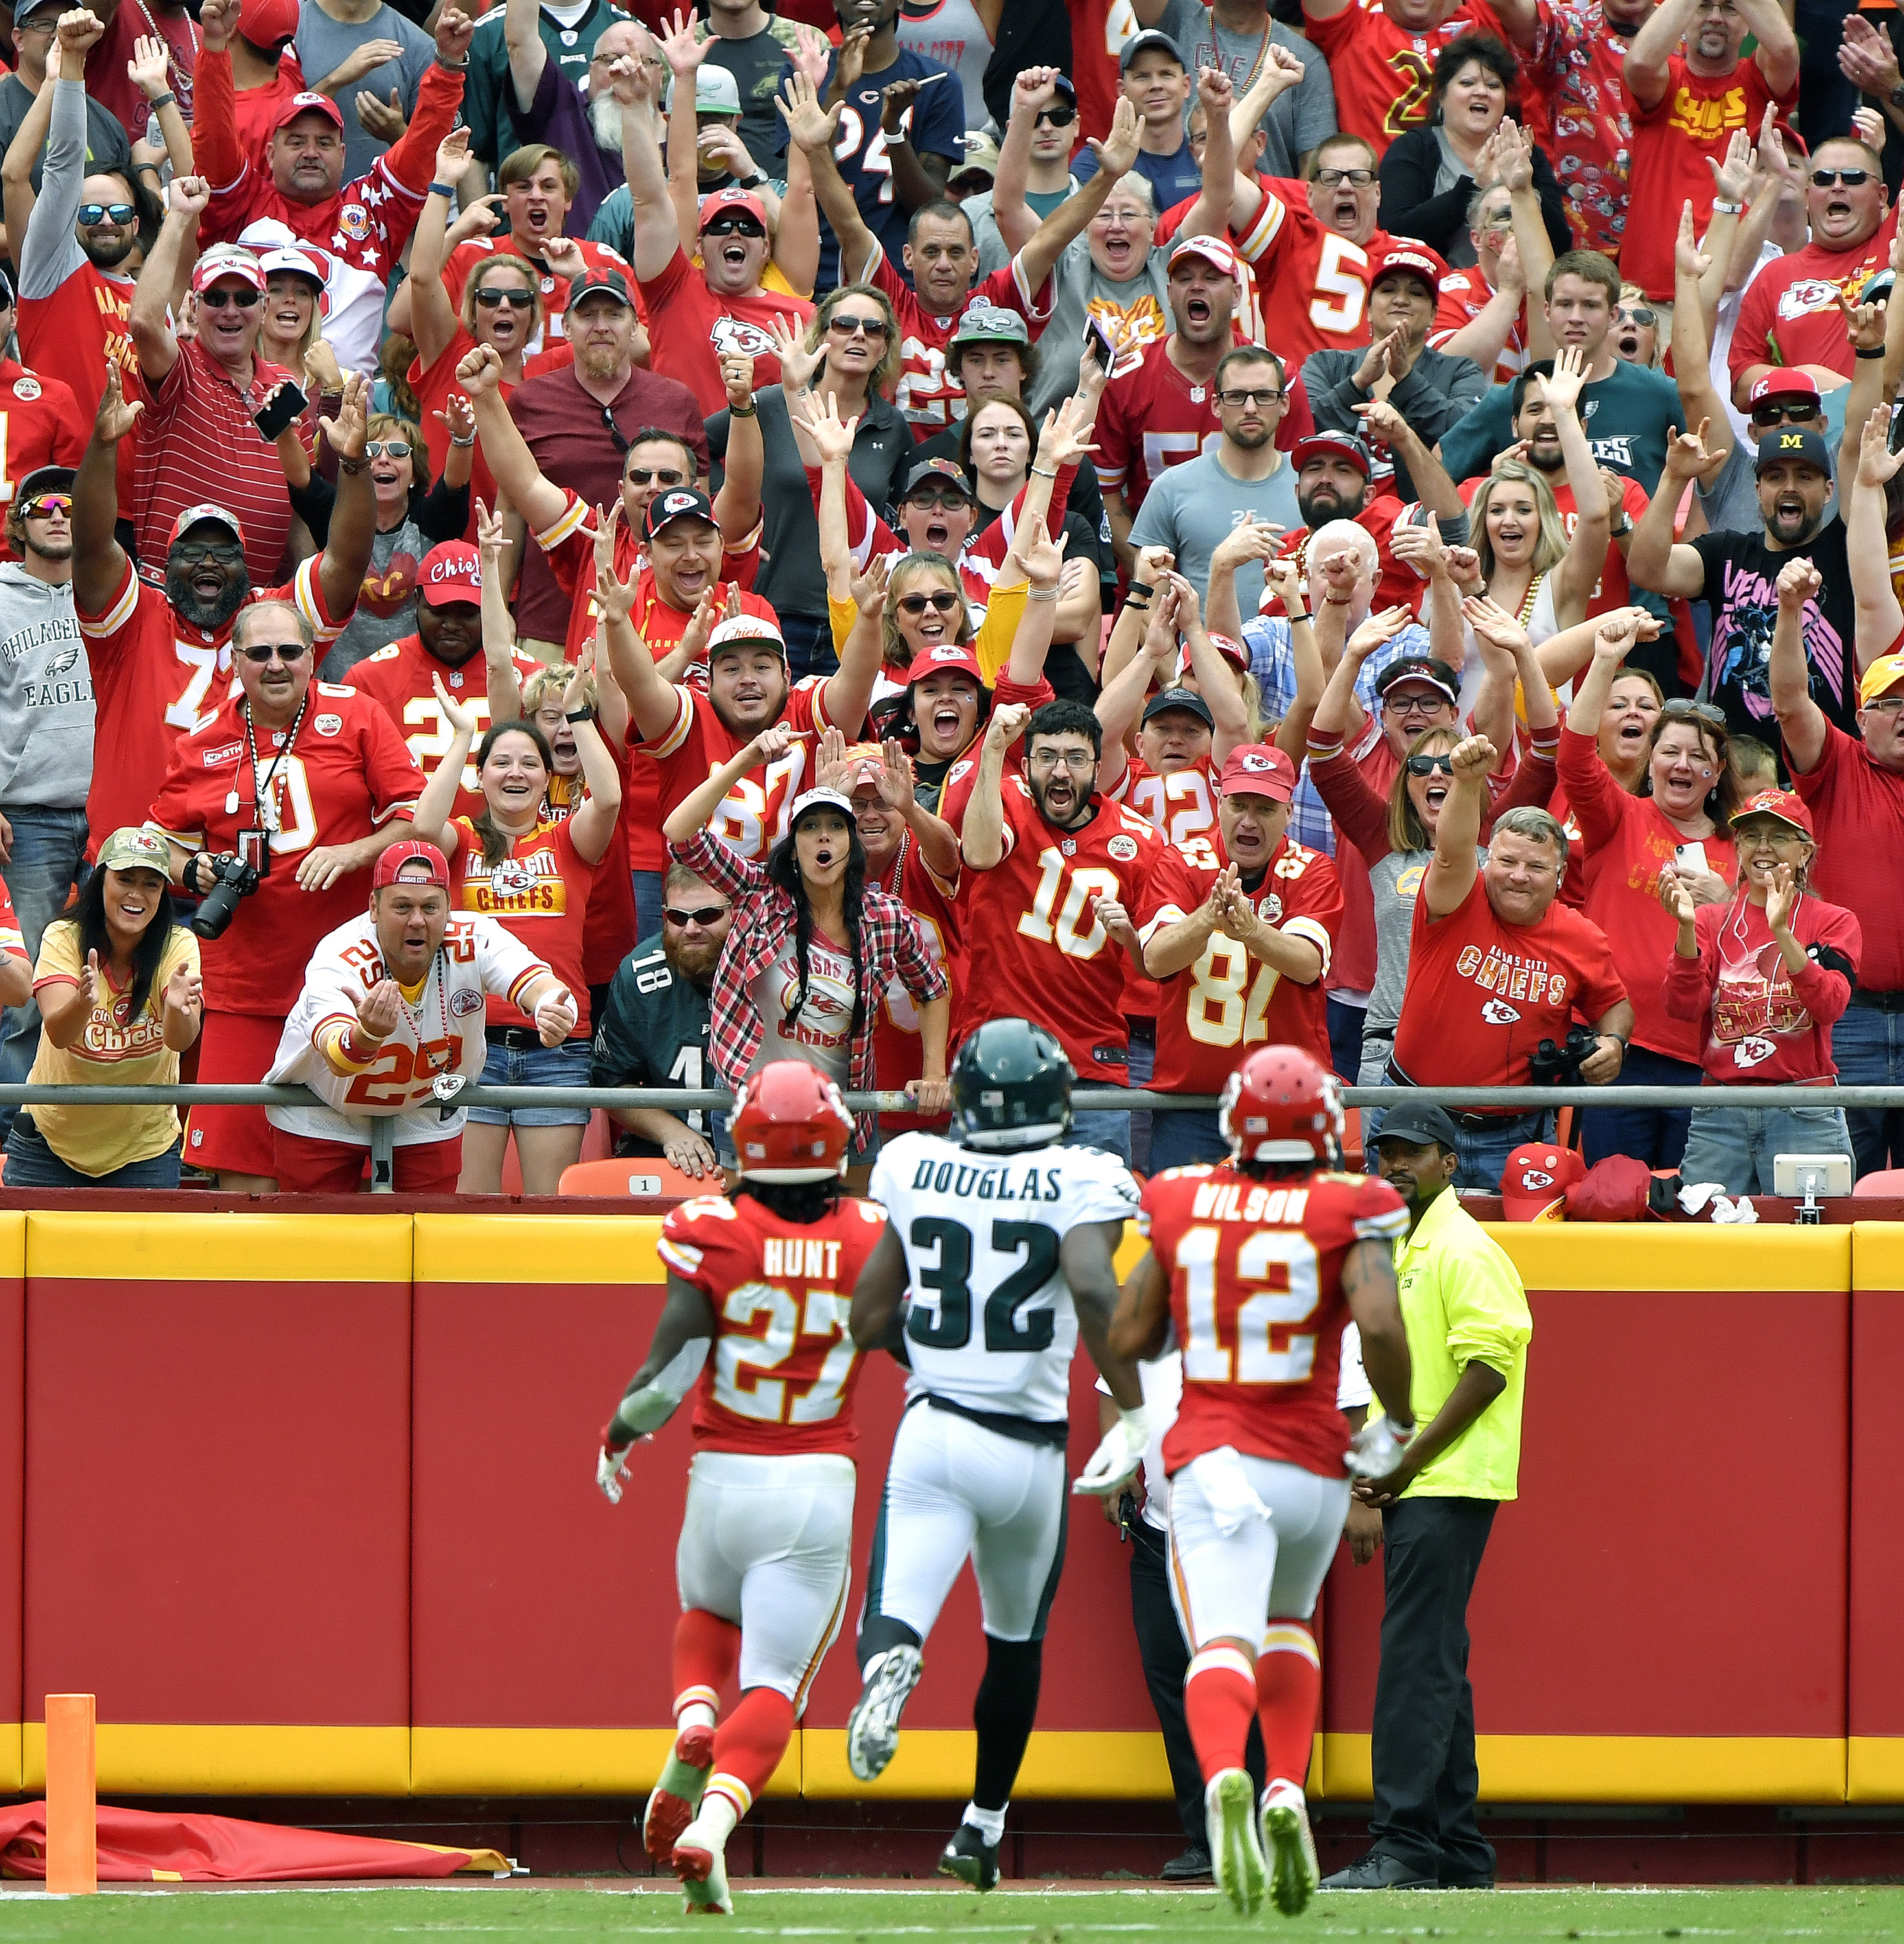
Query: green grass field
x,y
1031,1916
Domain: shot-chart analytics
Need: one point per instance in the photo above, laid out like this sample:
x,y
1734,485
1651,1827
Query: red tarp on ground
x,y
136,1845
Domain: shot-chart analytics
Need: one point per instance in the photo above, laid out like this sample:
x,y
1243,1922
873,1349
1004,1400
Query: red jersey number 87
x,y
1232,1313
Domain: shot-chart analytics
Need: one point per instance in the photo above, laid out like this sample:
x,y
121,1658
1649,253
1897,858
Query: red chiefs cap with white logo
x,y
413,850
1214,250
957,658
450,572
307,103
1784,384
1537,1178
1258,769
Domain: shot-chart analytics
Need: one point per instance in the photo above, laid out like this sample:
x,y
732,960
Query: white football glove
x,y
1376,1450
1117,1457
611,1469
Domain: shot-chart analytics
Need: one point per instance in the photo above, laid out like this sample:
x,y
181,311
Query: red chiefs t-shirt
x,y
1482,994
782,1375
538,894
690,327
1627,842
1789,314
1384,74
40,425
346,774
1859,809
1692,121
1465,295
752,817
608,929
1152,419
1225,1002
1759,1021
157,678
468,256
898,1051
1317,280
74,335
927,393
398,678
1033,931
1255,1270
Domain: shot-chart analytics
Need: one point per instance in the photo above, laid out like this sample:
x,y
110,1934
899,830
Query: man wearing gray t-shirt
x,y
1235,35
46,733
352,49
1193,508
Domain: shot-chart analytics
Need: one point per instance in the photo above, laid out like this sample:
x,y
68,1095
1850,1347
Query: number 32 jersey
x,y
782,1375
990,1325
1255,1270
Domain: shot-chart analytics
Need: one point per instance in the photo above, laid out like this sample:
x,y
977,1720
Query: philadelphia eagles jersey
x,y
989,1322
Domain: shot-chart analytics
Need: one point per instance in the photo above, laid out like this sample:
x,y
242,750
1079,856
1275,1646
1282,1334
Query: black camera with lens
x,y
233,877
1553,1065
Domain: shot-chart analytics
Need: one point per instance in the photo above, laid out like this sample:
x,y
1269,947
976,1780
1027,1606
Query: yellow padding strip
x,y
1877,1258
193,1758
1653,1255
555,1761
1875,1768
559,1249
10,1760
1626,1768
937,1763
136,1247
13,1243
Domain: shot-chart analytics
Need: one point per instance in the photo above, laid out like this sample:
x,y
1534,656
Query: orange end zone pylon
x,y
71,1795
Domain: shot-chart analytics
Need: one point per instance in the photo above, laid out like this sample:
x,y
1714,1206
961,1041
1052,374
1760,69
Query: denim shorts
x,y
564,1065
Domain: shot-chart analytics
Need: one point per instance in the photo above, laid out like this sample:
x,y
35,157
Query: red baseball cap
x,y
1231,649
1781,803
1258,769
1333,445
1415,258
264,22
1213,249
1785,384
732,202
412,850
957,658
1535,1180
306,103
1617,1189
452,571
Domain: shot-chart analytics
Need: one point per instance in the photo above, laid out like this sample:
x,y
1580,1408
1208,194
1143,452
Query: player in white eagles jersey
x,y
1006,1240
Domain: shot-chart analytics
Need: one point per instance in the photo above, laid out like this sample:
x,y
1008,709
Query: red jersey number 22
x,y
1273,1282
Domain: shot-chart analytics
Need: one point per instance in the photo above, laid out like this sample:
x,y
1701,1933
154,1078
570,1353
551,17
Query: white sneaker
x,y
701,1862
873,1728
1235,1847
1294,1874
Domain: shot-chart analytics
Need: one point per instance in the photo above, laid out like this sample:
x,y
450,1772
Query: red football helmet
x,y
1280,1104
789,1124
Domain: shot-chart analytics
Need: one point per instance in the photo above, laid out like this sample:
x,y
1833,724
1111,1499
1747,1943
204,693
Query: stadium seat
x,y
1887,1182
1351,1140
635,1175
598,1144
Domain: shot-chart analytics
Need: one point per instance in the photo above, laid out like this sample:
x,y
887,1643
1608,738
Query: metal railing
x,y
1461,1099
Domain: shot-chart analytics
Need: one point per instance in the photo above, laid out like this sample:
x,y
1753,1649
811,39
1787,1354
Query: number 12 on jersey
x,y
1272,1282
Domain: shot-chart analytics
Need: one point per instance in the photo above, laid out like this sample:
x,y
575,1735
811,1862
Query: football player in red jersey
x,y
766,1279
1240,925
1258,1264
1059,870
161,651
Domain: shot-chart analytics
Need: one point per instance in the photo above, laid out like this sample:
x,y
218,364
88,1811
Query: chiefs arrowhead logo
x,y
1498,1013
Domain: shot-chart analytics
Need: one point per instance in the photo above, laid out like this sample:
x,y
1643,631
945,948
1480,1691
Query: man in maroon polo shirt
x,y
1855,789
578,423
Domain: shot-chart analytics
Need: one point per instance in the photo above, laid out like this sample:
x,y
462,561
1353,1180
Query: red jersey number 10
x,y
1273,1283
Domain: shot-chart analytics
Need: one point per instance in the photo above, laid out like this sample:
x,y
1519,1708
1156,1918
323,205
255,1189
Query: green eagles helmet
x,y
1010,1088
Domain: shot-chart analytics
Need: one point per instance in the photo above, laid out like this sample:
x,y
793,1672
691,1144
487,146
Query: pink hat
x,y
264,22
1214,250
1258,769
226,259
1784,384
413,850
451,571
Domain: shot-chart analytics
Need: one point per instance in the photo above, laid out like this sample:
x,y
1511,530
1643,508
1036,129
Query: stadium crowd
x,y
584,545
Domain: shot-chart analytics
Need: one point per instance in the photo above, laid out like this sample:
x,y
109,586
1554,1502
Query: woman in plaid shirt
x,y
813,950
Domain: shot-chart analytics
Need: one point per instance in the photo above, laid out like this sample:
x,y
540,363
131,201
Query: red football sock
x,y
748,1746
1218,1699
1289,1692
707,1650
